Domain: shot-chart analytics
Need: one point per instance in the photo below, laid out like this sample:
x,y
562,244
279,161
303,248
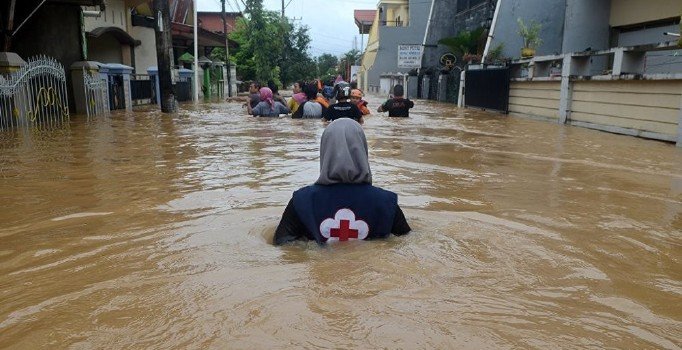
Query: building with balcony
x,y
396,22
606,65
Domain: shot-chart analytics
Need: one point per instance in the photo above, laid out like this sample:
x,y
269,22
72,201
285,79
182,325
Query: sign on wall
x,y
409,56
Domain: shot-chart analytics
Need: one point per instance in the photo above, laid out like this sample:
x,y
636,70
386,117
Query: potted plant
x,y
465,44
531,37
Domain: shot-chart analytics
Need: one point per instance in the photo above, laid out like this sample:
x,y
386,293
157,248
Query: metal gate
x,y
488,89
117,98
183,91
35,95
96,99
141,89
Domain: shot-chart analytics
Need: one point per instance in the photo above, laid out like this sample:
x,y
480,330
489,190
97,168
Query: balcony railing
x,y
394,23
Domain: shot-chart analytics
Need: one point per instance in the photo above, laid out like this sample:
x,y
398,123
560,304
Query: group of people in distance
x,y
312,100
342,204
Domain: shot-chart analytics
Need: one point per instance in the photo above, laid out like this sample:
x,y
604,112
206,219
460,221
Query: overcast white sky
x,y
331,23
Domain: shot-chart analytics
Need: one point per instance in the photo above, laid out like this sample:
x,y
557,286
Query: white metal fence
x,y
96,94
34,96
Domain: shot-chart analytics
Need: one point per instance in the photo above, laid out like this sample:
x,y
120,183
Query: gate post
x,y
78,71
154,77
10,62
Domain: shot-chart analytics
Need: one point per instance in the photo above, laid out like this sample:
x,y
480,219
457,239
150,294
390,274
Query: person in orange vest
x,y
356,97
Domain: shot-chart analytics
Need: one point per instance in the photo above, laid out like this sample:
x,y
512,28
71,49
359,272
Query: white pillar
x,y
566,94
196,54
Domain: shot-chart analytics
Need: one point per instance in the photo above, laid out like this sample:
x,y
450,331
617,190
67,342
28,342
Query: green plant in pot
x,y
465,44
531,37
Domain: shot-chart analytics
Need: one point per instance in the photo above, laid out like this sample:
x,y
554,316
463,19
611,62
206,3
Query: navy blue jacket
x,y
341,212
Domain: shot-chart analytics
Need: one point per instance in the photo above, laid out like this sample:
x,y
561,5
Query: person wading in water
x,y
342,205
397,106
343,108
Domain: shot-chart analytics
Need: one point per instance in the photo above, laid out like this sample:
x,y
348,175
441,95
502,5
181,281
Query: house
x,y
114,35
364,20
124,33
213,21
396,22
605,65
50,28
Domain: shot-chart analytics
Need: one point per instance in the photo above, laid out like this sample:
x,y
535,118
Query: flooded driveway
x,y
145,231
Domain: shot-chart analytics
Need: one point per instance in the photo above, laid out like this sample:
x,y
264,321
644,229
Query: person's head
x,y
354,84
343,93
298,87
398,91
265,94
355,95
310,91
343,154
254,87
273,87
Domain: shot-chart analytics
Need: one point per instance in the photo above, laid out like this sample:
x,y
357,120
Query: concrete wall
x,y
105,49
390,37
53,31
115,15
537,99
625,12
145,54
441,27
646,108
656,62
586,25
641,108
549,13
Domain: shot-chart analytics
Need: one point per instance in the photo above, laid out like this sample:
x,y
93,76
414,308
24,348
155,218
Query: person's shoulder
x,y
305,191
387,195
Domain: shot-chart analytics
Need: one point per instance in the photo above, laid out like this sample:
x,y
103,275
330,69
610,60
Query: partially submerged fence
x,y
35,95
96,96
142,90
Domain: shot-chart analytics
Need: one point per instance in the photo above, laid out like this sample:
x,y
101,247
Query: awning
x,y
121,35
364,20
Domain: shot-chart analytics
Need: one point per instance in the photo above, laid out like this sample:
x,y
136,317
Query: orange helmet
x,y
356,93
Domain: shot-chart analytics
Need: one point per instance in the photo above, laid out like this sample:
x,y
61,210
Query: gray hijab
x,y
343,154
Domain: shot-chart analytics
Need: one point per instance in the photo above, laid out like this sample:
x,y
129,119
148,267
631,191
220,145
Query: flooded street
x,y
146,231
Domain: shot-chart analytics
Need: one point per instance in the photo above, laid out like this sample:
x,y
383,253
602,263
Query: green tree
x,y
350,58
327,65
259,35
271,48
296,62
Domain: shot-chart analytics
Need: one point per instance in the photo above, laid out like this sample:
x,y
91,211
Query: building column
x,y
679,127
566,94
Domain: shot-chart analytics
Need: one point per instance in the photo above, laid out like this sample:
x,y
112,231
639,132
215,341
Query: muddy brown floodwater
x,y
144,231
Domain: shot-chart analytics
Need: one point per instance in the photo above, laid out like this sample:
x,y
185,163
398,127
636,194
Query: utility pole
x,y
227,53
10,26
163,58
283,9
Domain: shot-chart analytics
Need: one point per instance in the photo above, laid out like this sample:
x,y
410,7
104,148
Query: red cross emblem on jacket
x,y
343,227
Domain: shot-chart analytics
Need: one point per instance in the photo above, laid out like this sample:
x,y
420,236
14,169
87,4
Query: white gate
x,y
96,94
35,95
